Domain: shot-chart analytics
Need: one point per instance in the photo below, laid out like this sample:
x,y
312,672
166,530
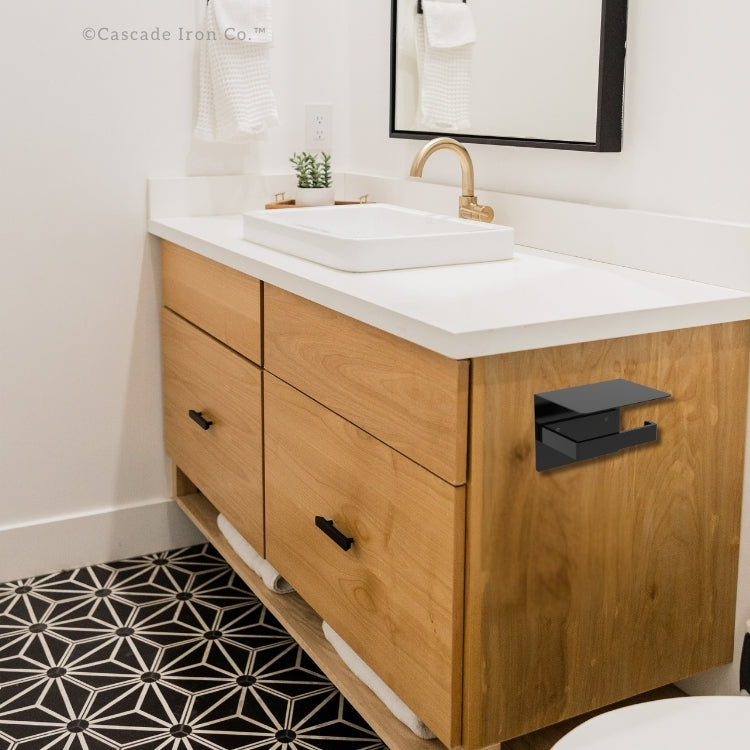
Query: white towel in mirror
x,y
407,43
445,67
448,24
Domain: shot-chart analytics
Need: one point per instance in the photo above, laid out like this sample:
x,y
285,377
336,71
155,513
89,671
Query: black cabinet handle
x,y
327,527
199,419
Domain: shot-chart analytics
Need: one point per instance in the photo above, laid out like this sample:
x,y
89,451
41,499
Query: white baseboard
x,y
114,534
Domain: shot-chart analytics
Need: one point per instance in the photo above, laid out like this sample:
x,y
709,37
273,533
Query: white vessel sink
x,y
377,236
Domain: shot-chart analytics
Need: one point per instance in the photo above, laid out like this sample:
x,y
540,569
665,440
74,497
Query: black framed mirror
x,y
538,73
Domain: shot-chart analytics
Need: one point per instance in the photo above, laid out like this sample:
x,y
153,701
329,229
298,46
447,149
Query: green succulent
x,y
313,170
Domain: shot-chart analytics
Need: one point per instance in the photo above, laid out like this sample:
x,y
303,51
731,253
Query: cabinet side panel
x,y
604,579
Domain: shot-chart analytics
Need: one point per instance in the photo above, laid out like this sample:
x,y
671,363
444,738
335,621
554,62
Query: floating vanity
x,y
495,596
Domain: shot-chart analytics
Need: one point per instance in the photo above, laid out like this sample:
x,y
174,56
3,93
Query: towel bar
x,y
419,5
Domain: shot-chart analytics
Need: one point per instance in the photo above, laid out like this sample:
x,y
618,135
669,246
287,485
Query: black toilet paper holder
x,y
583,422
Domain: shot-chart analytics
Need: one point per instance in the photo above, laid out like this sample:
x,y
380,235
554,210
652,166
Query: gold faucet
x,y
468,208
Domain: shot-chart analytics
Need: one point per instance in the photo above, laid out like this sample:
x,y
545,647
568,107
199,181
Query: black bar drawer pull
x,y
575,424
199,419
327,527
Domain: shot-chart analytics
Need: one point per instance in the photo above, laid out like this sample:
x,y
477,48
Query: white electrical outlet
x,y
318,126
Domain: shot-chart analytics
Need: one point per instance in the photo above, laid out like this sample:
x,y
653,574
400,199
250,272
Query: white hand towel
x,y
448,24
252,559
394,704
249,19
236,102
445,82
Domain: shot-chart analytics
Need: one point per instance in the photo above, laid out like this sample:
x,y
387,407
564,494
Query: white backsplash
x,y
708,251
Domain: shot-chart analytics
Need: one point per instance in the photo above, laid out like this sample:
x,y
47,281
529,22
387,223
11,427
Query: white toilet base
x,y
692,723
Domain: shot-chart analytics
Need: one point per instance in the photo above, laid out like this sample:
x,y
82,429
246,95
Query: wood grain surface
x,y
608,578
396,596
222,301
226,460
413,399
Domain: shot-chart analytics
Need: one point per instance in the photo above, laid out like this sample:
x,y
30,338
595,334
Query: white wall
x,y
308,64
84,124
686,119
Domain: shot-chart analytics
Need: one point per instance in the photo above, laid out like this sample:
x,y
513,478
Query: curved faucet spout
x,y
468,208
467,168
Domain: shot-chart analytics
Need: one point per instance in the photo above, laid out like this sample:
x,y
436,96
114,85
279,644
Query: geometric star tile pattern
x,y
167,651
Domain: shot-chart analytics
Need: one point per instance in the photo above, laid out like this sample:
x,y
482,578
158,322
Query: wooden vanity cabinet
x,y
493,598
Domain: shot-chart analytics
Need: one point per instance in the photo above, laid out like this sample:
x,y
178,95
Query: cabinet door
x,y
396,595
225,461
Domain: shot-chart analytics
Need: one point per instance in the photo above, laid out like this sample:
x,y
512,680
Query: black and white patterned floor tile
x,y
169,651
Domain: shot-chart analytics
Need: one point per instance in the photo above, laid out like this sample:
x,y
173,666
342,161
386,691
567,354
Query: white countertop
x,y
535,300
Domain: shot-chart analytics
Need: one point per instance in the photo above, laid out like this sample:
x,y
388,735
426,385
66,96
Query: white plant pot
x,y
314,197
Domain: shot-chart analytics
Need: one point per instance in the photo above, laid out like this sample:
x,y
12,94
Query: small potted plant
x,y
314,179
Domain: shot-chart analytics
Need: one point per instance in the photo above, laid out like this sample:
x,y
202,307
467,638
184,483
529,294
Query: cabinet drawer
x,y
409,397
396,595
224,461
222,301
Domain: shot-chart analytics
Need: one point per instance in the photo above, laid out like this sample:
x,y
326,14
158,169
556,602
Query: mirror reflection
x,y
537,72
